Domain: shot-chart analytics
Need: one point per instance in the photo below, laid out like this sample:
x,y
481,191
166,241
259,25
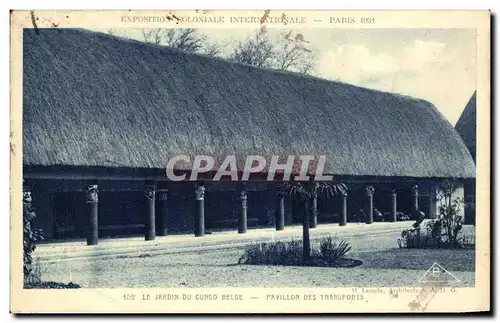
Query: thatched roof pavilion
x,y
466,126
91,99
97,108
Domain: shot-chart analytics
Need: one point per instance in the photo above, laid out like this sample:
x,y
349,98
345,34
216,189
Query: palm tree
x,y
304,192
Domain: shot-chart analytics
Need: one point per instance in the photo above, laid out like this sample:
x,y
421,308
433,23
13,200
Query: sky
x,y
437,65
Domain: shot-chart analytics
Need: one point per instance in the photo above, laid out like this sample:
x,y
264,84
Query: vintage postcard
x,y
250,161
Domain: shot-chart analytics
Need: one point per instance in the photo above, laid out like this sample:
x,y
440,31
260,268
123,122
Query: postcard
x,y
267,161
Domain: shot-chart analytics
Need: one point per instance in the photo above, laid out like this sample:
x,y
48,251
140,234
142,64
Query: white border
x,y
144,4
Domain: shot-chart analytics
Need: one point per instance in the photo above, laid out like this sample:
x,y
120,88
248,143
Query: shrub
x,y
441,233
30,235
410,238
378,216
434,228
331,250
451,223
290,253
444,232
273,253
402,216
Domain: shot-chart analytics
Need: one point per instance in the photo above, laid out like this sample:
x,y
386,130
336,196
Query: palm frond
x,y
305,190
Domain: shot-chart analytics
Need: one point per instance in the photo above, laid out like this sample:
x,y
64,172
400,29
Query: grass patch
x,y
460,260
329,252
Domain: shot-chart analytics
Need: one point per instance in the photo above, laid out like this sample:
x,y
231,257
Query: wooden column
x,y
314,207
92,201
394,206
150,212
306,238
369,194
242,216
199,217
343,211
280,211
414,192
162,197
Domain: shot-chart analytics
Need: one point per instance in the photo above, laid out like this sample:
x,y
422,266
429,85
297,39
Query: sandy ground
x,y
384,265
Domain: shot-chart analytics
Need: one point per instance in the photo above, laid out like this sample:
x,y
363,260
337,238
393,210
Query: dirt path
x,y
383,265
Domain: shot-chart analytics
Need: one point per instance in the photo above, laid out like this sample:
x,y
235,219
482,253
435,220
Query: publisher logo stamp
x,y
437,274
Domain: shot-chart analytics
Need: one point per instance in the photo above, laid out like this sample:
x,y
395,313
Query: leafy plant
x,y
330,249
290,253
435,229
30,235
274,253
410,238
444,232
449,213
402,216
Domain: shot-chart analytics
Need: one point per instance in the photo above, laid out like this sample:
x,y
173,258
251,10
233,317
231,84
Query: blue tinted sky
x,y
438,65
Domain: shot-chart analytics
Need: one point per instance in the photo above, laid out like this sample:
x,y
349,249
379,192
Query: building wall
x,y
43,205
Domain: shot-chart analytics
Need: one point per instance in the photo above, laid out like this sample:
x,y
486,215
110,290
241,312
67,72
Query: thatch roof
x,y
91,99
466,126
